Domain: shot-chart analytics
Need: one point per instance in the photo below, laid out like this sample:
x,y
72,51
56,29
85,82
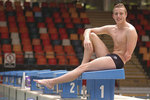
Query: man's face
x,y
119,15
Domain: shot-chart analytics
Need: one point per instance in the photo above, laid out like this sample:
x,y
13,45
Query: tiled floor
x,y
47,97
119,97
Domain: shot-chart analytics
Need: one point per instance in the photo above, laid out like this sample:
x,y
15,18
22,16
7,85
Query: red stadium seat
x,y
65,15
61,5
27,48
44,36
54,36
13,29
46,42
53,5
1,3
58,48
48,48
73,61
85,21
63,36
4,36
37,48
44,4
69,25
29,13
36,9
63,61
80,30
52,61
11,19
23,30
67,20
41,61
49,20
41,25
17,3
52,31
60,55
20,60
4,30
6,48
36,41
50,54
24,35
1,60
21,19
30,19
76,20
83,15
17,48
19,54
56,15
148,44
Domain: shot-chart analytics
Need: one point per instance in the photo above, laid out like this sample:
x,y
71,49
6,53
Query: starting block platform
x,y
94,85
101,84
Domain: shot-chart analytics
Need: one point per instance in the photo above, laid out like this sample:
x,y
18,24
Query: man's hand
x,y
127,56
88,45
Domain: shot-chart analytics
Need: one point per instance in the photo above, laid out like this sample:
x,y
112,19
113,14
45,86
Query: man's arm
x,y
131,43
98,30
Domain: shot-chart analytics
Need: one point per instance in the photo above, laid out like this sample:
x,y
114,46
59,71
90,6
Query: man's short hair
x,y
120,5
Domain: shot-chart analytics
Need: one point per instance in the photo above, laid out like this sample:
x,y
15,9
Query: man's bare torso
x,y
119,37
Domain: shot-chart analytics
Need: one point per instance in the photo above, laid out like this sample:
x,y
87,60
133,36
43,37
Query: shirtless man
x,y
124,37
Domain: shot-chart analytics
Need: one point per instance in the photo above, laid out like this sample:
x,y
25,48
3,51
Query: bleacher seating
x,y
48,34
140,19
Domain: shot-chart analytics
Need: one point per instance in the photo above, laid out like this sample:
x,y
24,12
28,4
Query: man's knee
x,y
93,36
83,67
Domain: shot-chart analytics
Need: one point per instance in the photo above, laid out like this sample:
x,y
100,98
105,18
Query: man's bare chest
x,y
119,38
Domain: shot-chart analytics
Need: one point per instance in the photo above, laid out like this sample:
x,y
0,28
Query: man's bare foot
x,y
46,82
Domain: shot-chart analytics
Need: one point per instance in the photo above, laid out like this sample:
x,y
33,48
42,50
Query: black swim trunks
x,y
117,60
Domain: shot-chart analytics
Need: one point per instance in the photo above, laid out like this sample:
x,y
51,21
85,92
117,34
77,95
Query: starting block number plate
x,y
70,90
72,84
102,91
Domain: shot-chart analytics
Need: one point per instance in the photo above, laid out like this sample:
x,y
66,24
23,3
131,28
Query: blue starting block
x,y
101,84
5,77
34,75
70,89
11,78
33,84
18,75
28,75
18,78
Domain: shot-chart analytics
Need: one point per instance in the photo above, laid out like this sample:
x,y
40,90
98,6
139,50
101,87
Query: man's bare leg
x,y
98,47
100,50
86,56
97,64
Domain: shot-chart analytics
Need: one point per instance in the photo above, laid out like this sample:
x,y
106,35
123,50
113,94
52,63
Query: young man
x,y
124,37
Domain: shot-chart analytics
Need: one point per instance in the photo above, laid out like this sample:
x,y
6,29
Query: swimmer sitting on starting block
x,y
124,37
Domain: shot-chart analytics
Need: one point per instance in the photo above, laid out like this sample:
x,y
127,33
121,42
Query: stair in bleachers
x,y
135,75
99,18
